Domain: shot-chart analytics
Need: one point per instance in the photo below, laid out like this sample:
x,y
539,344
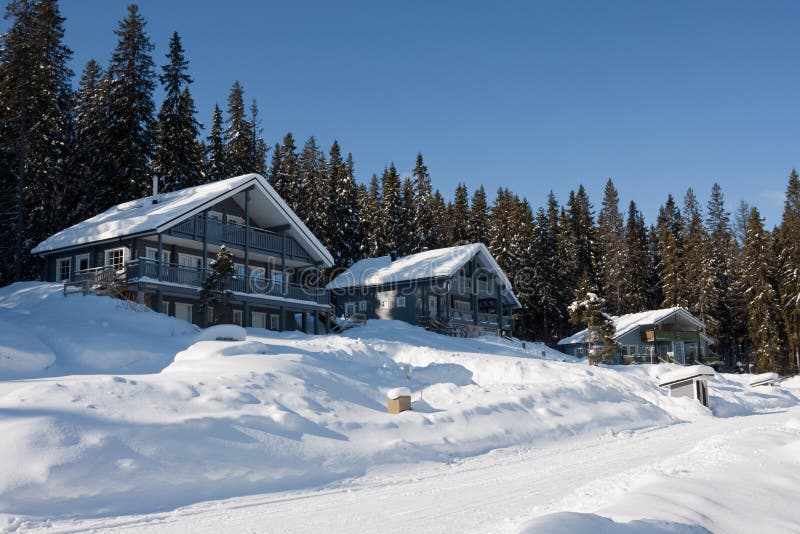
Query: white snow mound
x,y
222,332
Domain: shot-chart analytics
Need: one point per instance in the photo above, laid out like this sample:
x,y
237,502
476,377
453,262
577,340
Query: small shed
x,y
690,382
764,379
399,400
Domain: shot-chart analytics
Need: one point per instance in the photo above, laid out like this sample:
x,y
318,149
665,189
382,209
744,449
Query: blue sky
x,y
658,96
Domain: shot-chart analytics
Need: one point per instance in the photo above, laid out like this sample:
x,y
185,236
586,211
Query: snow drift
x,y
285,410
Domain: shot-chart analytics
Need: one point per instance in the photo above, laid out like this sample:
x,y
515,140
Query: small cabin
x,y
691,382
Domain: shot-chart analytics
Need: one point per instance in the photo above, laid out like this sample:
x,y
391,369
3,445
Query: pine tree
x,y
239,141
370,221
406,245
478,224
589,309
259,145
671,268
423,216
717,315
763,311
459,216
215,160
343,212
613,251
284,172
638,253
36,98
131,79
91,149
391,211
542,277
694,254
178,156
788,247
580,239
311,202
214,294
439,218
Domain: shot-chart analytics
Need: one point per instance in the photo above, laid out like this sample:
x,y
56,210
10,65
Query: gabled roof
x,y
685,373
141,216
438,263
627,323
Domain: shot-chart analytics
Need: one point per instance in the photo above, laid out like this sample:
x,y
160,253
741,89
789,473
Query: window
x,y
209,316
274,321
461,305
257,273
237,317
188,260
400,302
63,268
165,307
629,350
214,216
349,309
277,278
151,253
236,220
115,257
81,262
580,352
362,305
238,268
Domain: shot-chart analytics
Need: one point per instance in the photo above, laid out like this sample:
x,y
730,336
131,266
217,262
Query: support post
x,y
283,263
205,245
316,322
499,307
159,255
474,295
246,315
282,321
247,239
304,323
327,323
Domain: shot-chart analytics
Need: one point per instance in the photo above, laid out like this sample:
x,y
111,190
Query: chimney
x,y
155,189
393,255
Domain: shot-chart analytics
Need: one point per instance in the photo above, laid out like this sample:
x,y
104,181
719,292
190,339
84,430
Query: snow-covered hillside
x,y
127,414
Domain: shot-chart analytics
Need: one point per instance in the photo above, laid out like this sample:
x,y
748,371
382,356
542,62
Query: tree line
x,y
69,153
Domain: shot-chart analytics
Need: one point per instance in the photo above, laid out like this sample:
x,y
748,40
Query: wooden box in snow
x,y
690,382
399,400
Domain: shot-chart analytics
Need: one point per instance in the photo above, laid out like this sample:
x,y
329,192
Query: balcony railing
x,y
254,284
236,234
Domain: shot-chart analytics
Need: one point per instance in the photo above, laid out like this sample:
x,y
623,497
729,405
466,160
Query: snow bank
x,y
286,410
21,352
572,522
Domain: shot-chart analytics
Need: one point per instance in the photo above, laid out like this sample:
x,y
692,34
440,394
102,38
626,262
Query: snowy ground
x,y
287,432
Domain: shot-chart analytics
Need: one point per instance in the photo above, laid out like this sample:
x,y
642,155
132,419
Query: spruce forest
x,y
72,146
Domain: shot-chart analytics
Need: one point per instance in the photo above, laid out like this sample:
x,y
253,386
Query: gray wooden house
x,y
668,335
457,290
156,250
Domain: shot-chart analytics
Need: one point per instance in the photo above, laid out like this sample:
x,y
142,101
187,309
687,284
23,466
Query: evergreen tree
x,y
406,245
763,311
178,156
788,246
638,269
284,172
259,145
478,224
589,309
343,212
214,294
391,211
694,254
423,216
580,239
131,80
614,265
718,314
671,268
543,279
459,216
439,218
36,98
91,149
216,167
239,141
370,221
501,231
312,196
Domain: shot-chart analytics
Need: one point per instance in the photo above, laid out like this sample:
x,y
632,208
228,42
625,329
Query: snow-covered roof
x,y
438,263
685,373
142,216
631,321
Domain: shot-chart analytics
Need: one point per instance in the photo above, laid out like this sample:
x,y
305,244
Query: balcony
x,y
144,268
487,320
235,234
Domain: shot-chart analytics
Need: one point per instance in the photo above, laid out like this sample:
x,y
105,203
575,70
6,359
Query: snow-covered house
x,y
457,290
158,250
671,334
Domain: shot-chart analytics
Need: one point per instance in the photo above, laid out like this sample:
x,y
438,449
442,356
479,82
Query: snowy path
x,y
500,491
